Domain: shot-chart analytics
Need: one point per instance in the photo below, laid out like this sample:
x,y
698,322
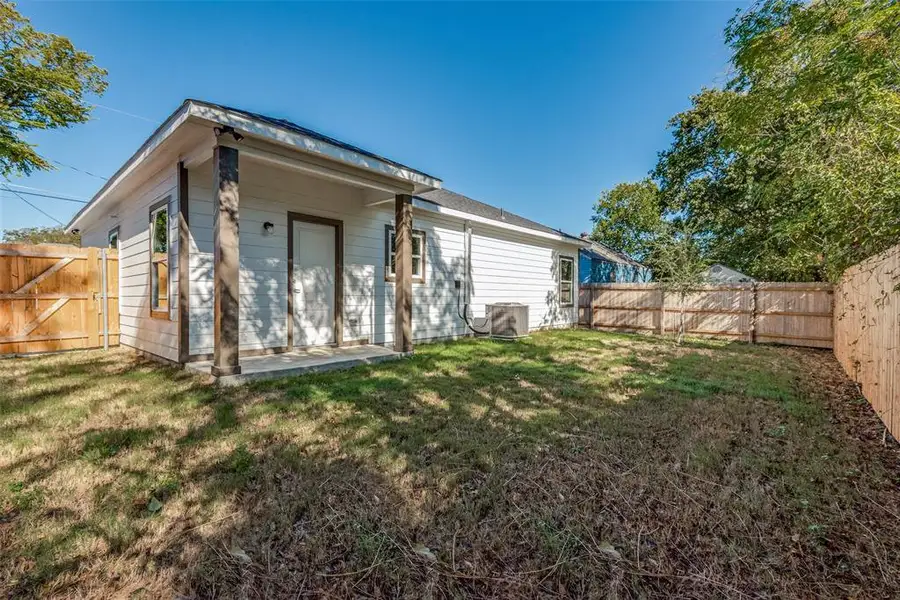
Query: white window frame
x,y
109,236
390,253
156,311
570,282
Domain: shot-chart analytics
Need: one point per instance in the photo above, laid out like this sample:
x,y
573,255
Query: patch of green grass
x,y
24,498
99,445
551,466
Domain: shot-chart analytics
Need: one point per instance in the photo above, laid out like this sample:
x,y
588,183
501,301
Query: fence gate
x,y
57,298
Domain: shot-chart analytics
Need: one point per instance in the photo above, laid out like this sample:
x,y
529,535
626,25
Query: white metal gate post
x,y
104,279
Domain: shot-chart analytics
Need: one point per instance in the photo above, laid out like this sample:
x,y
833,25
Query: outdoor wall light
x,y
220,131
269,227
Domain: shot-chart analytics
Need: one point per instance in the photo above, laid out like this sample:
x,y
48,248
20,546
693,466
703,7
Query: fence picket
x,y
867,332
782,313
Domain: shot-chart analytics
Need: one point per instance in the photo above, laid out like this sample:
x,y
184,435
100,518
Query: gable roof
x,y
293,127
313,141
717,272
281,131
606,253
454,201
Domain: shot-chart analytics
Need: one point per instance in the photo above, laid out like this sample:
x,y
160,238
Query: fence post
x,y
104,277
592,291
662,311
753,315
91,310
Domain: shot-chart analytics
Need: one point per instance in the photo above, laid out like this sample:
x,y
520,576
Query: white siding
x,y
132,216
512,267
506,266
268,194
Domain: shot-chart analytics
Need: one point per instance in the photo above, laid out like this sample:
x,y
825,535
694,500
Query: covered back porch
x,y
283,246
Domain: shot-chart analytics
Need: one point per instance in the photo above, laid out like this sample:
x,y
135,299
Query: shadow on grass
x,y
575,463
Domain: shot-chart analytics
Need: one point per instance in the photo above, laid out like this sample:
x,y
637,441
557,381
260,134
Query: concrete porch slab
x,y
298,362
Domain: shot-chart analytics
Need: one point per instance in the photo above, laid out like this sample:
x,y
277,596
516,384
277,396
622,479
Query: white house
x,y
267,237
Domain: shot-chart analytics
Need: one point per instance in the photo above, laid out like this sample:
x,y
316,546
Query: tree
x,y
791,171
44,81
679,263
40,235
794,167
628,218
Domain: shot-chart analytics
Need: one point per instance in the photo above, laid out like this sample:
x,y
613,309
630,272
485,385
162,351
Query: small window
x,y
112,239
418,254
159,261
566,281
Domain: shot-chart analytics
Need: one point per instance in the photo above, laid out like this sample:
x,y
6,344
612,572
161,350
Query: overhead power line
x,y
97,104
40,195
23,199
19,186
62,164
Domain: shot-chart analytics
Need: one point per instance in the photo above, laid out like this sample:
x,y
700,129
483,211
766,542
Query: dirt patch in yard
x,y
576,464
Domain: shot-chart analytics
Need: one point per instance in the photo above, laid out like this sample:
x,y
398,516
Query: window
x,y
566,280
159,260
418,254
112,239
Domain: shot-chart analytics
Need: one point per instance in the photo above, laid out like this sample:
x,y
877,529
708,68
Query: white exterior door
x,y
314,280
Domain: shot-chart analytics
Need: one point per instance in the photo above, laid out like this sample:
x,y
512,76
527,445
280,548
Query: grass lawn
x,y
575,463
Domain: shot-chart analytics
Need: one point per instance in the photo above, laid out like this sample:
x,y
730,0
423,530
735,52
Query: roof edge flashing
x,y
159,135
425,204
298,140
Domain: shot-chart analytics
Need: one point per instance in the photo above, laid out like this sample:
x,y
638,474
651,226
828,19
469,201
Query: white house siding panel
x,y
506,266
511,267
94,236
132,216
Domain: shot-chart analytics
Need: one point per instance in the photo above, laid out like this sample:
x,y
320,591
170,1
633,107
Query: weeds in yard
x,y
573,464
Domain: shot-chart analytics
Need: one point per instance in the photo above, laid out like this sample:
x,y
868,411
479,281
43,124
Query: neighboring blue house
x,y
601,264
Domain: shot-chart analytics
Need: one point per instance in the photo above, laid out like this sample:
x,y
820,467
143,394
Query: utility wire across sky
x,y
48,194
40,195
25,200
98,105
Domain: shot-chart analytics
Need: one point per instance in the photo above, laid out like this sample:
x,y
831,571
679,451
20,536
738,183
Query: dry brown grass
x,y
576,464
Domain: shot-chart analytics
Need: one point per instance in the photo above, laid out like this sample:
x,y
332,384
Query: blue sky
x,y
533,107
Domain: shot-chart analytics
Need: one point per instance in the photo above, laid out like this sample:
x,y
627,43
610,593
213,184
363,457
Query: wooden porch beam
x,y
403,273
226,360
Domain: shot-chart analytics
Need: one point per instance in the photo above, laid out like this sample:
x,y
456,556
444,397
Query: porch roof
x,y
175,138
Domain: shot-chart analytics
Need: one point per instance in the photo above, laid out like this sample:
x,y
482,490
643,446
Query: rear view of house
x,y
242,235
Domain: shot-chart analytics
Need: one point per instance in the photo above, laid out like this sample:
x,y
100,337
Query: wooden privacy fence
x,y
867,332
798,314
54,298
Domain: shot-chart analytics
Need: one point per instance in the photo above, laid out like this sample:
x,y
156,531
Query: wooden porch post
x,y
184,267
227,261
403,273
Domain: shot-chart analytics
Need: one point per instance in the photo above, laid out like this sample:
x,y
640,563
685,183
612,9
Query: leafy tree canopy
x,y
44,82
40,235
792,170
627,218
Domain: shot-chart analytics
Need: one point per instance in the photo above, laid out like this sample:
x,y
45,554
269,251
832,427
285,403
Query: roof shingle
x,y
454,201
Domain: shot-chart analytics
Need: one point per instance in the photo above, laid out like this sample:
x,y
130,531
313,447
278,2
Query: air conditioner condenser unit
x,y
508,320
